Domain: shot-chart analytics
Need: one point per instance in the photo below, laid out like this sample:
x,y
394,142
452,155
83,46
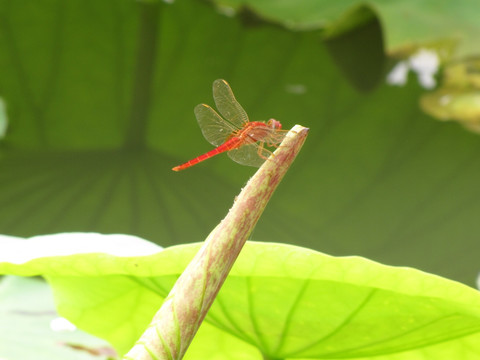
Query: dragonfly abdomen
x,y
230,144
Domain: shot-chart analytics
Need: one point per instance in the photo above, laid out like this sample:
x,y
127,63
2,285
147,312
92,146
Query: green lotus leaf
x,y
280,301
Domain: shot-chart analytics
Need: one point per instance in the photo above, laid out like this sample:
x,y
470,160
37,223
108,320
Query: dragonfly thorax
x,y
259,131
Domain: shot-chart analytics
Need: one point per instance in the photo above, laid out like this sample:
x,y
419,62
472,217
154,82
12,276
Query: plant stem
x,y
144,74
175,324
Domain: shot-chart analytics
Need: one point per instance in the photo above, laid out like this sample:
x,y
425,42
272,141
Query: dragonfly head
x,y
274,124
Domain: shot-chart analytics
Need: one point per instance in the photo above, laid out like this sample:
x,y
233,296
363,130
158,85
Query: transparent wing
x,y
249,155
227,105
215,129
276,137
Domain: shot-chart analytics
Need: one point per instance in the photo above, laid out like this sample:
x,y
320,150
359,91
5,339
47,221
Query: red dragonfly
x,y
233,132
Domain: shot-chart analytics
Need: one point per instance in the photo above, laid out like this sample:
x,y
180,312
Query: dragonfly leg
x,y
262,151
276,139
273,144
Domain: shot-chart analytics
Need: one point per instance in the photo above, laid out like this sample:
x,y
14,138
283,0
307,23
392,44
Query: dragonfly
x,y
232,131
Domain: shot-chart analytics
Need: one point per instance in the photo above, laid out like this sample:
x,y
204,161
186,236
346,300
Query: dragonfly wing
x,y
227,105
249,155
276,137
215,129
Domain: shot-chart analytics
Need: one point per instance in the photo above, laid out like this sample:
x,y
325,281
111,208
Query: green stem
x,y
144,74
175,324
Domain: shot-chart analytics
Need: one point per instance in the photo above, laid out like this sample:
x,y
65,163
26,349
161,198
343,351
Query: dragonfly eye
x,y
274,124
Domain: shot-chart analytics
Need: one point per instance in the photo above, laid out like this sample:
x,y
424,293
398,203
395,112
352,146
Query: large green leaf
x,y
100,98
406,24
285,301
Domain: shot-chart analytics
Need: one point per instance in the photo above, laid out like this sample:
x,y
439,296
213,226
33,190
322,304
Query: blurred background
x,y
97,103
